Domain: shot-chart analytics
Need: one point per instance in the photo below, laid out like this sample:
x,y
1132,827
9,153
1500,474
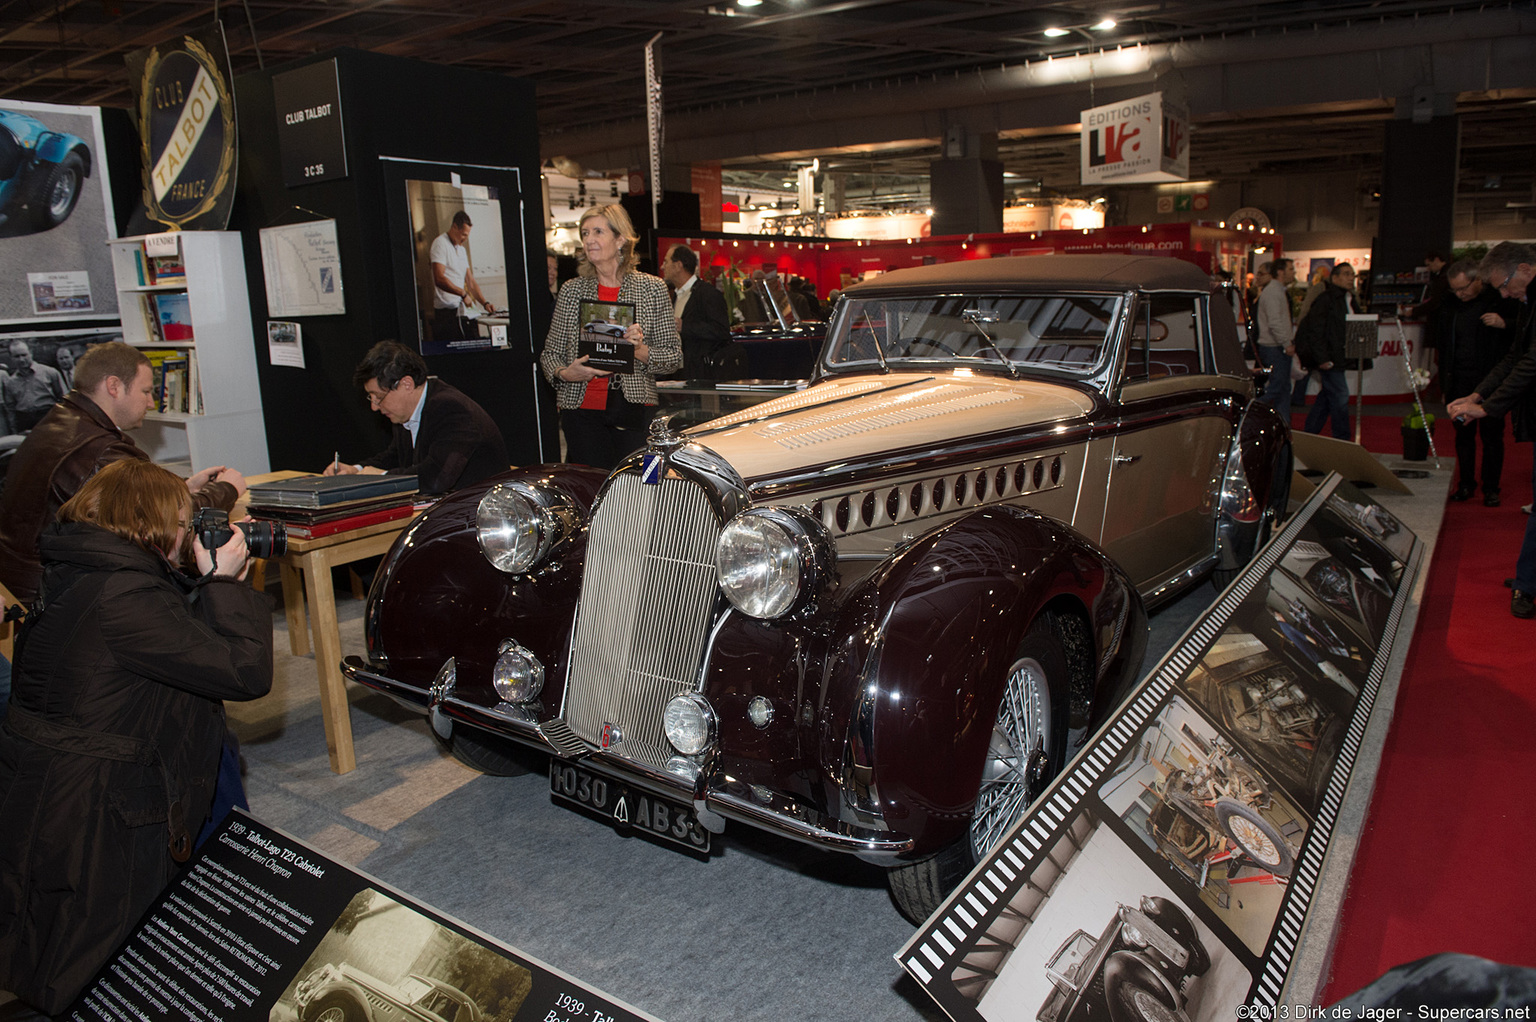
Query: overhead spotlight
x,y
748,3
1054,33
1105,25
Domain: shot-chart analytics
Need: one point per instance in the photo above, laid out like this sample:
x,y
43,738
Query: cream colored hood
x,y
851,419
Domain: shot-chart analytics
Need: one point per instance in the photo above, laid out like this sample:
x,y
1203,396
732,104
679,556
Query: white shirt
x,y
455,260
413,424
682,297
1274,316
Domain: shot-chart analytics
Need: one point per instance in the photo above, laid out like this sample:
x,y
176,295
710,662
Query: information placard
x,y
262,927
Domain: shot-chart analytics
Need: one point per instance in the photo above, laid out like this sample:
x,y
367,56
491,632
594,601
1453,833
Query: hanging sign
x,y
1140,139
309,134
186,115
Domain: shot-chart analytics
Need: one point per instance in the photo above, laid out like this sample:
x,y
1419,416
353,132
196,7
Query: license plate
x,y
627,808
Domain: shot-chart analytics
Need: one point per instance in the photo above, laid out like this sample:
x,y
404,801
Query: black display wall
x,y
446,120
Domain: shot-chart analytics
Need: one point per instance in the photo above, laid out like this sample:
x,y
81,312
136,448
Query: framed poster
x,y
55,214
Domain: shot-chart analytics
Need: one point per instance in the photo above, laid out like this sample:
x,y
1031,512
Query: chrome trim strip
x,y
1166,590
412,697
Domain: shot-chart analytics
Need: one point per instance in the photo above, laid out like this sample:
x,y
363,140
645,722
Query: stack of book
x,y
314,506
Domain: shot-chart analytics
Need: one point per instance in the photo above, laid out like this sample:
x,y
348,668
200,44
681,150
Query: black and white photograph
x,y
382,959
1195,801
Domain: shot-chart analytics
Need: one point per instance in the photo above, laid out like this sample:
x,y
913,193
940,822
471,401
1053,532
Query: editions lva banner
x,y
187,132
1141,139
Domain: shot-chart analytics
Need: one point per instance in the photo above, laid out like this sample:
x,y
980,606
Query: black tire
x,y
335,1008
1027,750
1181,928
1256,836
487,753
1137,992
55,198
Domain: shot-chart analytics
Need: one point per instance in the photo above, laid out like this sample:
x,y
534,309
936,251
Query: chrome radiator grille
x,y
646,596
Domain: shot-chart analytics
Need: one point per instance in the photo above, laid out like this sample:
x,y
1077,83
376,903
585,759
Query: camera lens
x,y
265,539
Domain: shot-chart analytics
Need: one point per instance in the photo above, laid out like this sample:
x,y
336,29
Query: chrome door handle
x,y
1127,459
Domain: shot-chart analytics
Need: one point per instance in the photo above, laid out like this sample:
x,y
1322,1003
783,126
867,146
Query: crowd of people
x,y
1478,319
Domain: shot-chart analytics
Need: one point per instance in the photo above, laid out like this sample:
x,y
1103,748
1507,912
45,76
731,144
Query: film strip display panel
x,y
1169,870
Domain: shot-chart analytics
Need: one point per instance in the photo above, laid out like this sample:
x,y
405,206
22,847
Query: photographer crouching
x,y
110,751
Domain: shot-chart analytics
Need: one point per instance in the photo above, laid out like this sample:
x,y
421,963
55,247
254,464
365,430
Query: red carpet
x,y
1443,862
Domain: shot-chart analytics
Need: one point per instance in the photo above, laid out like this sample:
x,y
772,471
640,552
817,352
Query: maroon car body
x,y
957,607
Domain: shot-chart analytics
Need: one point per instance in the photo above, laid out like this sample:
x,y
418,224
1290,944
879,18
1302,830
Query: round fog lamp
x,y
760,712
689,723
518,676
684,768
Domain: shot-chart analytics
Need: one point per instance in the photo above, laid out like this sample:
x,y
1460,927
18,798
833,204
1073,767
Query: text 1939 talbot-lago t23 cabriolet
x,y
869,615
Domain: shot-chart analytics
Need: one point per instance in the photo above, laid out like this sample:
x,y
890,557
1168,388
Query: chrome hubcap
x,y
63,194
1018,757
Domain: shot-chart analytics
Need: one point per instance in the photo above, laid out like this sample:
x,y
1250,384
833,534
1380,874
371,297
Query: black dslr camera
x,y
262,539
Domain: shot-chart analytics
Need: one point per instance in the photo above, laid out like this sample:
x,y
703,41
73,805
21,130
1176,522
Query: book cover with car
x,y
602,340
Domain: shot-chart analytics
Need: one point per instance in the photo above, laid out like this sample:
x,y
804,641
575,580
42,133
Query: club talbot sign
x,y
187,130
1140,139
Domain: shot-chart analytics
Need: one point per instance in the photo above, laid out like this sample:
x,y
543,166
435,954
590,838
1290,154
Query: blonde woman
x,y
604,415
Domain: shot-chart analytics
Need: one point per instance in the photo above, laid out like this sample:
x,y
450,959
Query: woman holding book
x,y
603,413
112,743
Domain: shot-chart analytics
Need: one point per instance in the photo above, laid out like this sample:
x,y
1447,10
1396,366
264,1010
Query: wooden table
x,y
306,571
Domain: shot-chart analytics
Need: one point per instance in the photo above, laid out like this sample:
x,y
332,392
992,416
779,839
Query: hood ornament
x,y
662,439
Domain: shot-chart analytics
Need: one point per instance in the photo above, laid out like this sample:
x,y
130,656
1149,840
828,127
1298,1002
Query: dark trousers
x,y
1332,404
1525,564
1277,391
604,437
1491,429
448,325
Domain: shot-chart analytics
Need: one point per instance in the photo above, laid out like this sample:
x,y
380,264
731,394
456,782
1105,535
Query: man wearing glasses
x,y
1510,269
440,435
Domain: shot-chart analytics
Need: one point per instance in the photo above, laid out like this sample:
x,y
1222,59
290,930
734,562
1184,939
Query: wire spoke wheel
x,y
1018,757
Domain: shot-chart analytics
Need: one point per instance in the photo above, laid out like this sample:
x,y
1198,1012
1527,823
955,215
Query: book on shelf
x,y
164,269
151,316
174,314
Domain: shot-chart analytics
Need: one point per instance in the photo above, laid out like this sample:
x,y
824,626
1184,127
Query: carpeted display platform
x,y
1438,867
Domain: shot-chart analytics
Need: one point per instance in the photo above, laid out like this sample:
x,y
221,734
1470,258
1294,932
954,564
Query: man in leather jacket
x,y
81,434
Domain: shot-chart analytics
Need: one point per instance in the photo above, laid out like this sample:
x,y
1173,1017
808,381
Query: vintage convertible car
x,y
344,993
41,171
878,614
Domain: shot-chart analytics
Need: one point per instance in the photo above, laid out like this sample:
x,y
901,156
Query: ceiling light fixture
x,y
1105,25
1055,33
748,3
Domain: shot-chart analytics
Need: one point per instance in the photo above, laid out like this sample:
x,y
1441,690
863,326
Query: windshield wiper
x,y
976,317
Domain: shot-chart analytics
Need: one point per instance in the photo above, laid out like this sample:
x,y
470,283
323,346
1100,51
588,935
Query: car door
x,y
1174,429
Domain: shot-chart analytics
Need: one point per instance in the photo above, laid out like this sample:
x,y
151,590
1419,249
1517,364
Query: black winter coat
x,y
111,747
1320,334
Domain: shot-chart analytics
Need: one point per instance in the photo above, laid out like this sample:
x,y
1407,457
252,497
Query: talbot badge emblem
x,y
650,468
621,811
611,736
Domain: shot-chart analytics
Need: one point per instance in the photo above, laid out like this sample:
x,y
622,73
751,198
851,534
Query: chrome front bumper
x,y
715,798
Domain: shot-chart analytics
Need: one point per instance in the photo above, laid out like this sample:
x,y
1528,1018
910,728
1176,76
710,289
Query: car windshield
x,y
1061,333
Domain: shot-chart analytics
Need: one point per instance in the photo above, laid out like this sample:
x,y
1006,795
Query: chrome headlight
x,y
689,723
518,525
517,676
773,561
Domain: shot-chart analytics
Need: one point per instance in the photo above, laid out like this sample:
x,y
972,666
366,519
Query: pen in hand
x,y
335,462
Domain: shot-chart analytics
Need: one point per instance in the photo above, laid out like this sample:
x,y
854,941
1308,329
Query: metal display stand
x,y
1360,343
1413,381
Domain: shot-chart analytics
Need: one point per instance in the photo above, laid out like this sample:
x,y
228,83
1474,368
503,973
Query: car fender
x,y
54,146
344,986
436,596
926,642
1264,443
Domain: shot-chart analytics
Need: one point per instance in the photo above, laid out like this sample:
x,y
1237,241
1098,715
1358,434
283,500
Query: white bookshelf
x,y
229,430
